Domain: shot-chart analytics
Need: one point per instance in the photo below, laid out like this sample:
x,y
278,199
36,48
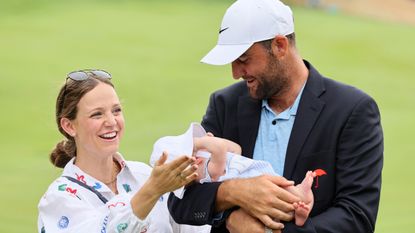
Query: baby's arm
x,y
217,147
230,145
233,147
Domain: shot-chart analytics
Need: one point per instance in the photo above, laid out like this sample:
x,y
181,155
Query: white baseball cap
x,y
179,145
246,22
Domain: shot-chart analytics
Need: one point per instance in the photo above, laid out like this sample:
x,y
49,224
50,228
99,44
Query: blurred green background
x,y
153,48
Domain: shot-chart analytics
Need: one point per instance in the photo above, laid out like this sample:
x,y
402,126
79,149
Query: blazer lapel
x,y
307,114
249,112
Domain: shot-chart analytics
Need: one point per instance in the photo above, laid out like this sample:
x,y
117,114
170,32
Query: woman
x,y
99,191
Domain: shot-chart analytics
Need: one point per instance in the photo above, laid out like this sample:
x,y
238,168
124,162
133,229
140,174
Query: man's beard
x,y
272,82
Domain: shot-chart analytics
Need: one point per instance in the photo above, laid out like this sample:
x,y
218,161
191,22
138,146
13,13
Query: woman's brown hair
x,y
67,107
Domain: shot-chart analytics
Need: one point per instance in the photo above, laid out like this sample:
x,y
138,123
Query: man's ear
x,y
68,126
279,46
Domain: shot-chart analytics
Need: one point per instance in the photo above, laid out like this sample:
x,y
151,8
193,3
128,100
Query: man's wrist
x,y
222,217
226,195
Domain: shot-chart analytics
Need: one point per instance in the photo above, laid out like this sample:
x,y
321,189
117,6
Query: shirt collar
x,y
74,171
291,111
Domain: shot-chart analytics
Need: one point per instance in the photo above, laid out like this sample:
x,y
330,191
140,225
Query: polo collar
x,y
291,111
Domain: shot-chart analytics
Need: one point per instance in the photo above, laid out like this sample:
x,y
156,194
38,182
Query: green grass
x,y
153,49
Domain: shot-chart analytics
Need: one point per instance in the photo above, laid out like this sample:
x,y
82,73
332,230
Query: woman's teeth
x,y
109,135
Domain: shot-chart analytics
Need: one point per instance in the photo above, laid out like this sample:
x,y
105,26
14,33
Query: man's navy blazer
x,y
337,129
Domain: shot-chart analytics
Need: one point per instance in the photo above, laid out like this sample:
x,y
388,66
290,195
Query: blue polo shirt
x,y
274,133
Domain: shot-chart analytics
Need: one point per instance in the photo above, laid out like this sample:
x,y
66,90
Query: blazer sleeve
x,y
359,162
197,207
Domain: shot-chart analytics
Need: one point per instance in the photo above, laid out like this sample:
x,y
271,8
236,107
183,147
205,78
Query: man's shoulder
x,y
331,89
338,90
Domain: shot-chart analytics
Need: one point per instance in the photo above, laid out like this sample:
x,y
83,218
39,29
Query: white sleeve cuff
x,y
122,216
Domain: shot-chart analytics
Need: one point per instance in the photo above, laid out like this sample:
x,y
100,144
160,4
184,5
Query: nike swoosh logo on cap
x,y
221,30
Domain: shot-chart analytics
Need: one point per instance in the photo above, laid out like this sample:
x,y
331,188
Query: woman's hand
x,y
164,178
167,177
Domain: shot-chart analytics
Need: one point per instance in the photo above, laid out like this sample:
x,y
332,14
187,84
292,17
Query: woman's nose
x,y
110,120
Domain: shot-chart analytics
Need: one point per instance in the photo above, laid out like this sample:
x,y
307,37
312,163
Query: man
x,y
286,113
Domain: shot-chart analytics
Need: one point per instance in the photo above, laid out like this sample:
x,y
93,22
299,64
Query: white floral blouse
x,y
70,207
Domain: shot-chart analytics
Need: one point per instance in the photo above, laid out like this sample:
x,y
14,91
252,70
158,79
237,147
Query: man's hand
x,y
262,197
240,222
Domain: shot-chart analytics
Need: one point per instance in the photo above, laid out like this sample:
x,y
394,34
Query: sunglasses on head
x,y
80,75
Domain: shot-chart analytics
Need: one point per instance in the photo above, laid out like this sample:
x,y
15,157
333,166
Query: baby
x,y
219,159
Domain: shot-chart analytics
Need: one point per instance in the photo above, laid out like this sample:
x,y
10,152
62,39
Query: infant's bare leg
x,y
303,191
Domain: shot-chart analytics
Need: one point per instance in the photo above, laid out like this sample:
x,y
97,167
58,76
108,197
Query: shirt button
x,y
274,122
